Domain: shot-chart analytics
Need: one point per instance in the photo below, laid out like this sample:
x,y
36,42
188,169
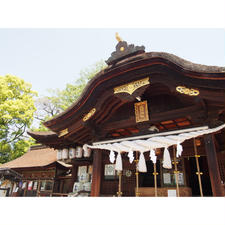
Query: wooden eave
x,y
50,139
199,76
161,67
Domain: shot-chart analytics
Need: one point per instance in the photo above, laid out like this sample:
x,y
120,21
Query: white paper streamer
x,y
119,162
112,156
166,159
153,157
179,150
142,164
131,156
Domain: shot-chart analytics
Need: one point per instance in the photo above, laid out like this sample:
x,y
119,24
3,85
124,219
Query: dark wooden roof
x,y
115,112
201,75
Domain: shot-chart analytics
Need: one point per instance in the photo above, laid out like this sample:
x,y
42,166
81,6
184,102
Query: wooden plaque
x,y
141,111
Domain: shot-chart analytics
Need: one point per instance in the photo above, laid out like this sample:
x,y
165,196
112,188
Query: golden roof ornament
x,y
123,50
118,38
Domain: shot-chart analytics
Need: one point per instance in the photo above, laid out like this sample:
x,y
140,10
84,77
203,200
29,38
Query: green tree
x,y
16,115
48,107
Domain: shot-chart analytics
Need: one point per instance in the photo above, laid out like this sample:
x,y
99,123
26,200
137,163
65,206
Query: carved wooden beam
x,y
157,117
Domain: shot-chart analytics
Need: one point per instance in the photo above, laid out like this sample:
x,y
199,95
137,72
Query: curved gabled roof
x,y
127,64
200,74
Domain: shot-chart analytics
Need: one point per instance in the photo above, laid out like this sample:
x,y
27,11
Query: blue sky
x,y
50,58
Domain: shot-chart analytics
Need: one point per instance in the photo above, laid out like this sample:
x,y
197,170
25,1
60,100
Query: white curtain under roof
x,y
145,145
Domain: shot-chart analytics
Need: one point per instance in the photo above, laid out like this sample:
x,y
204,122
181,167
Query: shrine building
x,y
149,124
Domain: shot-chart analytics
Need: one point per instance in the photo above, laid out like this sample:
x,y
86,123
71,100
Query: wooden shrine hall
x,y
149,124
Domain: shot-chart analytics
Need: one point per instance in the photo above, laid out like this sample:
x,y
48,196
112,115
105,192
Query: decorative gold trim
x,y
141,111
130,88
89,115
63,132
187,91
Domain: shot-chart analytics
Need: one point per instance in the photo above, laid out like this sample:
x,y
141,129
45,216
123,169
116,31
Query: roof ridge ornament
x,y
123,50
118,38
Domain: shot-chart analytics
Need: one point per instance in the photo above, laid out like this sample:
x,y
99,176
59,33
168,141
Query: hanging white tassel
x,y
131,156
119,162
112,156
166,159
179,150
142,164
153,157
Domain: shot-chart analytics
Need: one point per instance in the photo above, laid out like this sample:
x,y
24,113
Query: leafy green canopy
x,y
16,114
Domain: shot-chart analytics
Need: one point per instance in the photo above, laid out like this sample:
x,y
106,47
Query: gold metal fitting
x,y
174,162
138,194
176,171
63,132
136,173
122,49
119,193
155,173
197,156
89,115
199,173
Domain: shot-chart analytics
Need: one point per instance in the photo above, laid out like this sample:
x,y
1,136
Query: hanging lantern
x,y
79,152
72,153
59,154
65,153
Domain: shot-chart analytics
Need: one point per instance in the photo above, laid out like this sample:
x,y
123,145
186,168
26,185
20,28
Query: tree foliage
x,y
59,100
16,115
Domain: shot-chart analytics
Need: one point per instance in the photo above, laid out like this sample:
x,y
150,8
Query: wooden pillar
x,y
96,173
213,166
